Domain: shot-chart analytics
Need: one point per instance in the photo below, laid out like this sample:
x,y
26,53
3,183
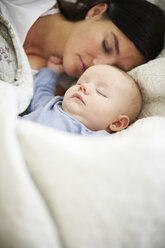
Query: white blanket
x,y
62,190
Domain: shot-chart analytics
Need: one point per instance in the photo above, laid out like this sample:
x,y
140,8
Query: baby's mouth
x,y
78,96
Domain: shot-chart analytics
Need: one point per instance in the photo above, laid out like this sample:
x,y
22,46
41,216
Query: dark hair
x,y
141,21
77,11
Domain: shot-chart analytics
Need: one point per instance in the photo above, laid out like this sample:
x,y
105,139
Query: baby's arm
x,y
44,88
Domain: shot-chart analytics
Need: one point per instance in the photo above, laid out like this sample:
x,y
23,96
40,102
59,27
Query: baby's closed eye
x,y
101,92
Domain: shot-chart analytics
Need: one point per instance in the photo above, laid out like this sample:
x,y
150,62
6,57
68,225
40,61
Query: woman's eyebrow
x,y
116,41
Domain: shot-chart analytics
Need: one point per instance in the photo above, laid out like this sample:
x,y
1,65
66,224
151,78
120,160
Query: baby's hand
x,y
55,63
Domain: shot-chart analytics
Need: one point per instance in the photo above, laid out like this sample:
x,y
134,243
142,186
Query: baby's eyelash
x,y
101,93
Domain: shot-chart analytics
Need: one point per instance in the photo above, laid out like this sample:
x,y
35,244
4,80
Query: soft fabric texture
x,y
61,190
14,66
22,16
151,80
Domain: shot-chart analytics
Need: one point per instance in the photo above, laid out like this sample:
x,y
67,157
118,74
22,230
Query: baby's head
x,y
104,98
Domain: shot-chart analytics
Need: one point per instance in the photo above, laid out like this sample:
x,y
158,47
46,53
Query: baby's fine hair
x,y
136,100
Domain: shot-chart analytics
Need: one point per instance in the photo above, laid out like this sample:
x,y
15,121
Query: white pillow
x,y
151,80
160,3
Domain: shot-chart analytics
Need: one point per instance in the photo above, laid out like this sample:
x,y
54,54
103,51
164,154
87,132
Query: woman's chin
x,y
71,71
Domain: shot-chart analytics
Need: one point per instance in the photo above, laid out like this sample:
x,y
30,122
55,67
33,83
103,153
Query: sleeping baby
x,y
103,101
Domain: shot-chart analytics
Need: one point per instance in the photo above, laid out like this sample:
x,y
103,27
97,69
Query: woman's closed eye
x,y
105,46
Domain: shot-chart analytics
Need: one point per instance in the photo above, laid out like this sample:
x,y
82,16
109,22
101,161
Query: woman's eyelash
x,y
105,46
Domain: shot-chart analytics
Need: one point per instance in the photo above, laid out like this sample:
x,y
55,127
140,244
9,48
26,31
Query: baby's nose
x,y
84,88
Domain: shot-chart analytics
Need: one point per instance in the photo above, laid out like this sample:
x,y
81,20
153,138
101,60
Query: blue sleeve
x,y
44,88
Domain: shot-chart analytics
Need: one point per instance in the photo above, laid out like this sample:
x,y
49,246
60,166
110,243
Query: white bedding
x,y
60,190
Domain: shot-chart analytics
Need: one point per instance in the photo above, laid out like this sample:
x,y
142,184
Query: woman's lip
x,y
82,65
78,96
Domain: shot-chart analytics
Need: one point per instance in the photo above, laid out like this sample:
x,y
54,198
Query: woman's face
x,y
98,41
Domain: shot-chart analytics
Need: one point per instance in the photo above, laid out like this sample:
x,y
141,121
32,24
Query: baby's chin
x,y
63,104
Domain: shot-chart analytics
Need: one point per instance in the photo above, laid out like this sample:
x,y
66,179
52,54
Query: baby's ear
x,y
119,124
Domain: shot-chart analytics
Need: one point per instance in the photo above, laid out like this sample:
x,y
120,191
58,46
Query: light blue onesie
x,y
46,109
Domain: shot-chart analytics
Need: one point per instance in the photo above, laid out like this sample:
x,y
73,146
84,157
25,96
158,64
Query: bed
x,y
62,190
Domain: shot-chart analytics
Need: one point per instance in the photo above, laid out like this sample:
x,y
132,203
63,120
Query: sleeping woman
x,y
120,33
